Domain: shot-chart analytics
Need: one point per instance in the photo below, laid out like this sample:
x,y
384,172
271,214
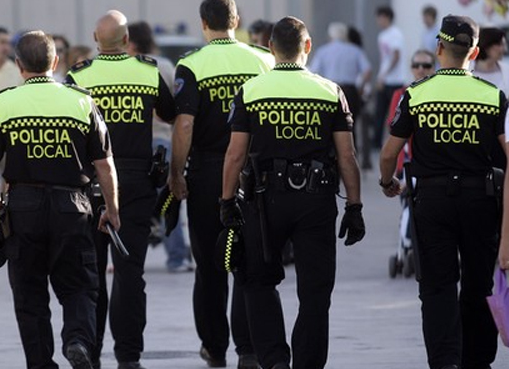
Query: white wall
x,y
409,18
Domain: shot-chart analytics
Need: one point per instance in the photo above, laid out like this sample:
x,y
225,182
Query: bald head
x,y
111,31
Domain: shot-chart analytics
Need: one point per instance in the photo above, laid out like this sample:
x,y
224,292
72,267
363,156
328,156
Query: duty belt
x,y
447,180
48,187
140,165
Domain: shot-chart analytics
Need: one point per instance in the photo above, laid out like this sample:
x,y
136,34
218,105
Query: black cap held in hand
x,y
459,30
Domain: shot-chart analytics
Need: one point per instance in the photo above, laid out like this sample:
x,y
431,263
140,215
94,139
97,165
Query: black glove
x,y
168,207
230,213
353,223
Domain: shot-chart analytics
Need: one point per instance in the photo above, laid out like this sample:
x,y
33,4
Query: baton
x,y
259,190
115,238
413,232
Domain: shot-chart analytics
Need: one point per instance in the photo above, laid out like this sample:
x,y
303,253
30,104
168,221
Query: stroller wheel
x,y
393,266
408,264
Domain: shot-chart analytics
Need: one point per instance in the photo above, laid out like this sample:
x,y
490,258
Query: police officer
x,y
291,120
454,119
51,135
205,84
127,90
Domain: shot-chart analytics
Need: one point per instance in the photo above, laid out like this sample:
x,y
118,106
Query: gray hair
x,y
338,31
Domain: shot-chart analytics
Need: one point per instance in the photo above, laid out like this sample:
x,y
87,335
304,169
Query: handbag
x,y
499,305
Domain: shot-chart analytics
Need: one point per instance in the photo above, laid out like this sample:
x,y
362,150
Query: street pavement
x,y
374,320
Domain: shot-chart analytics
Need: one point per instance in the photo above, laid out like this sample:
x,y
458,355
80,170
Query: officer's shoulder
x,y
77,88
260,48
81,65
146,59
485,81
190,52
7,89
421,81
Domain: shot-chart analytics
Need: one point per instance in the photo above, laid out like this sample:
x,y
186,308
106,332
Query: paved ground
x,y
375,321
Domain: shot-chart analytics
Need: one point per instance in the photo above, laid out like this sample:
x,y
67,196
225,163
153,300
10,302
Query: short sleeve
x,y
343,120
401,124
187,96
238,119
98,143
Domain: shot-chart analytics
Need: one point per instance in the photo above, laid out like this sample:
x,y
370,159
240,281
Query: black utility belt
x,y
48,187
442,181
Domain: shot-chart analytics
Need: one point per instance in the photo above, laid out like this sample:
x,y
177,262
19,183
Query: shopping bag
x,y
499,305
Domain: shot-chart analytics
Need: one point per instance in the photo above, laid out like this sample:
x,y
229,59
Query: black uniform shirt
x,y
51,134
127,90
454,118
291,114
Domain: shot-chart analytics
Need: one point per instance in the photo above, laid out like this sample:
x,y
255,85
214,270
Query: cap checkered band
x,y
44,122
42,79
223,41
455,107
112,57
445,36
224,80
292,105
124,89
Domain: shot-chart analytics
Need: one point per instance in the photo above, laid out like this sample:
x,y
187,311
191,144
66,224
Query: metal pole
x,y
16,16
80,24
267,11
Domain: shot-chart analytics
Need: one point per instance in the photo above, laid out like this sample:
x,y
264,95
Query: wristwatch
x,y
386,185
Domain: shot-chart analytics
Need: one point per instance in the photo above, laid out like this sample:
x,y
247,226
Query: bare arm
x,y
107,176
233,163
181,145
348,166
388,161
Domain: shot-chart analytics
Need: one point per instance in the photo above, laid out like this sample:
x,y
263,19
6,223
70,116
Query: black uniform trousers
x,y
51,239
309,221
127,310
210,294
457,331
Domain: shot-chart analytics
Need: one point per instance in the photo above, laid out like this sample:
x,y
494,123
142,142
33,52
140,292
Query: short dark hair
x,y
4,30
220,15
288,37
140,34
457,52
487,38
385,11
35,51
430,10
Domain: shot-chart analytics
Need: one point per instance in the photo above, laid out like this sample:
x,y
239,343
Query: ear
x,y
204,25
19,65
95,37
271,47
237,22
55,63
440,48
474,53
307,46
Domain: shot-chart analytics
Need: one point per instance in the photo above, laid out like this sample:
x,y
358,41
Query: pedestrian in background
x,y
128,91
455,206
299,196
54,138
206,81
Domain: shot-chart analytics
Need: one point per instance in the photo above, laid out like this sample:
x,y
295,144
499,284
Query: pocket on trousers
x,y
25,199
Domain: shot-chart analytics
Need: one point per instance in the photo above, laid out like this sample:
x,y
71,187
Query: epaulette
x,y
81,65
259,47
7,89
190,52
146,59
485,81
422,80
77,88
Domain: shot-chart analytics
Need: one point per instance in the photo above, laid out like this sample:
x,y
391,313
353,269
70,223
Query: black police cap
x,y
459,30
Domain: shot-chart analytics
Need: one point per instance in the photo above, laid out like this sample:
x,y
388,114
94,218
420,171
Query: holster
x,y
495,182
246,184
5,225
160,167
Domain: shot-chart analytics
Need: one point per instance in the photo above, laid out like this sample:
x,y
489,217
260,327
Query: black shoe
x,y
78,356
248,361
212,362
130,365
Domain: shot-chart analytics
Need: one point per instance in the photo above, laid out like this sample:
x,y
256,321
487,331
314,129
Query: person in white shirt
x,y
391,74
429,36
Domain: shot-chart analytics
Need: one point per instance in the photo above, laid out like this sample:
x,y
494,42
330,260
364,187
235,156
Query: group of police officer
x,y
241,113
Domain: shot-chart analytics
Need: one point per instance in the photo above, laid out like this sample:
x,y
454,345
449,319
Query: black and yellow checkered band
x,y
453,72
124,89
43,122
288,66
292,105
223,41
113,57
42,79
445,36
459,108
224,80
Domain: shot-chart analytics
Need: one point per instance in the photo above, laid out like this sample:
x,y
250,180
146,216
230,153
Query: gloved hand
x,y
168,207
353,223
230,213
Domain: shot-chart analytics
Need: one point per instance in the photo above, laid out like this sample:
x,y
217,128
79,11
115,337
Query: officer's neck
x,y
453,64
214,35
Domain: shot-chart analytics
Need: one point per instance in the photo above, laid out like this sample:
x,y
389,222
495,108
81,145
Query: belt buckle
x,y
297,176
